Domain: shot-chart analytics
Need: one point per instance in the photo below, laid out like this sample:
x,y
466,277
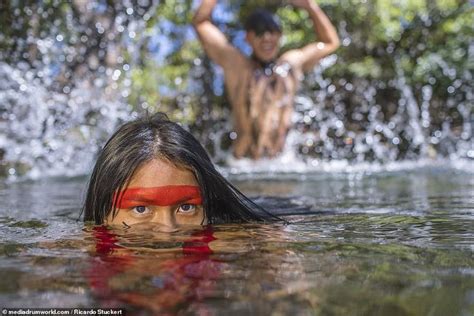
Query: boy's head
x,y
263,34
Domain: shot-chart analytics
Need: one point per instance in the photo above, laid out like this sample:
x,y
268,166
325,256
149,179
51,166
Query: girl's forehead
x,y
160,172
160,196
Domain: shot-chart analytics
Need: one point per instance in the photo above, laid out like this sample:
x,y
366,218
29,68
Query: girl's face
x,y
160,193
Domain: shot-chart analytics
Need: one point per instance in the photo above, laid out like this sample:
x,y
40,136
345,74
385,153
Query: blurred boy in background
x,y
261,88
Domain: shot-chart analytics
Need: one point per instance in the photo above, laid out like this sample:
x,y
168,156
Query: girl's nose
x,y
164,229
165,219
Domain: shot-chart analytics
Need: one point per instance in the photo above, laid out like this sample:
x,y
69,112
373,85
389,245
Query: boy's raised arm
x,y
215,44
328,40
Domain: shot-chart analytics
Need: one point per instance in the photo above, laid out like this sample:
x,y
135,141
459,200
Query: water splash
x,y
64,90
51,133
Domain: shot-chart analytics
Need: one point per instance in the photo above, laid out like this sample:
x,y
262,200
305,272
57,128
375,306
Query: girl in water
x,y
152,171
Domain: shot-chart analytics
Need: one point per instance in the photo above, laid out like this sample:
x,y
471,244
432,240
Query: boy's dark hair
x,y
261,21
156,137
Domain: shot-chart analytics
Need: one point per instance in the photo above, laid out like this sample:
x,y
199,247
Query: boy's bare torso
x,y
262,104
262,89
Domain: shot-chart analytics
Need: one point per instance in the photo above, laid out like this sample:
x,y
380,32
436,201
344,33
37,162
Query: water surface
x,y
386,243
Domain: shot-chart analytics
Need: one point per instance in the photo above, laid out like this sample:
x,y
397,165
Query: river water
x,y
355,243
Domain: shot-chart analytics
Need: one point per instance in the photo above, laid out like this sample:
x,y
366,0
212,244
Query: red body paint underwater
x,y
159,196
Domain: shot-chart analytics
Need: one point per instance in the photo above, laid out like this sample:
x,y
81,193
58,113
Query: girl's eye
x,y
141,210
187,208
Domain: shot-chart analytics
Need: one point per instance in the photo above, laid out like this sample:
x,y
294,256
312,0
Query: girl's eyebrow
x,y
161,196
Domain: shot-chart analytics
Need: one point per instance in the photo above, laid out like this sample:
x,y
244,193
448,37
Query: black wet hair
x,y
152,137
261,21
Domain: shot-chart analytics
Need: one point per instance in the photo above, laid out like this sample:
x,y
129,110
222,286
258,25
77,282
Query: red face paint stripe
x,y
159,196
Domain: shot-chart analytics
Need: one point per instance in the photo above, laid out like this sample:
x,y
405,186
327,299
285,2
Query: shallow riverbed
x,y
386,243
